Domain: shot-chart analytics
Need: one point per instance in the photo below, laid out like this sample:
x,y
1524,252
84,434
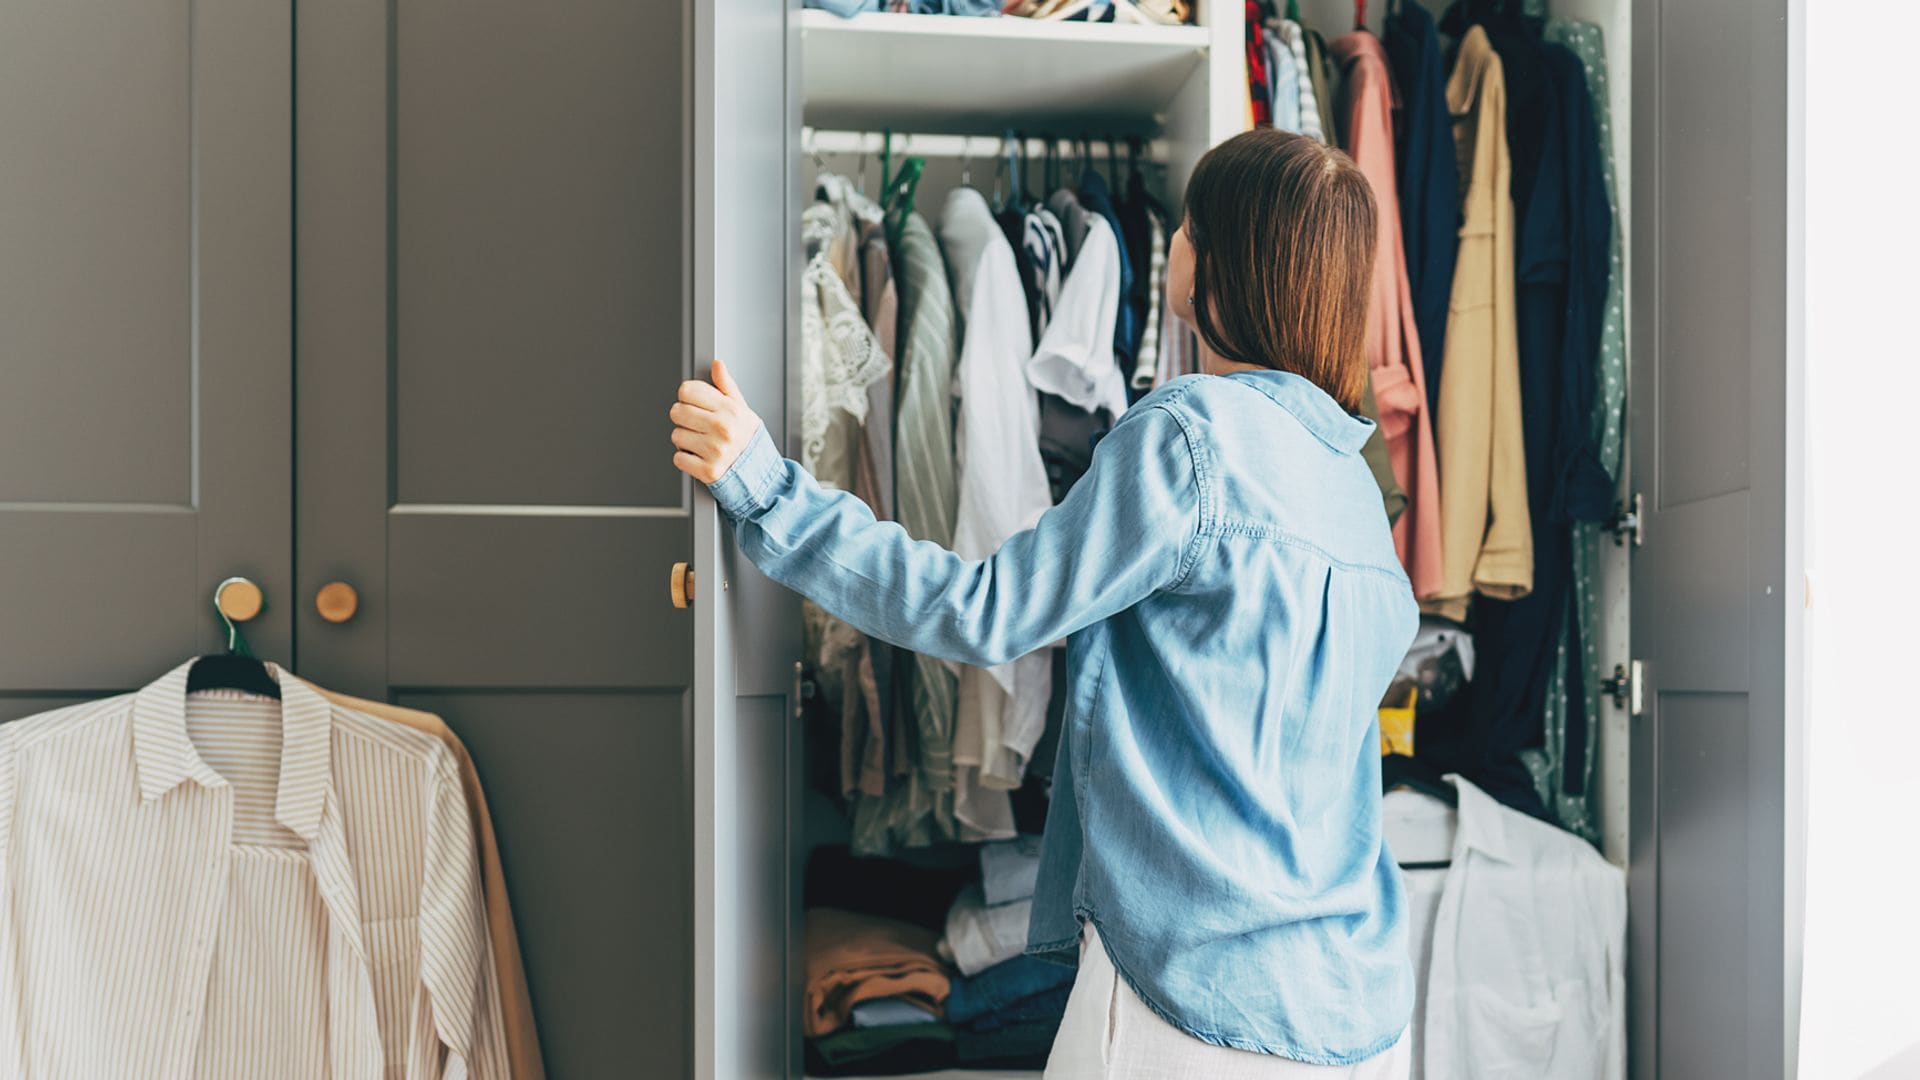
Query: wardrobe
x,y
395,295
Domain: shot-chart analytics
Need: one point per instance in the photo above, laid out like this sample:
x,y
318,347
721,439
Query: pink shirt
x,y
1364,106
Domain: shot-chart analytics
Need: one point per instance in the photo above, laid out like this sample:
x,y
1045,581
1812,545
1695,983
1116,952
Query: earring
x,y
1189,299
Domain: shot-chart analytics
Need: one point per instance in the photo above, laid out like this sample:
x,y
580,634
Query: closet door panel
x,y
145,325
1718,820
591,780
478,600
537,243
492,320
745,745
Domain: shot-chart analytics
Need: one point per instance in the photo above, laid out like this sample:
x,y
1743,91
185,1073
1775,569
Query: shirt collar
x,y
1481,824
164,755
1313,407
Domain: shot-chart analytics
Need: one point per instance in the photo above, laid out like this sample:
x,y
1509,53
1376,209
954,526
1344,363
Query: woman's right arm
x,y
1128,529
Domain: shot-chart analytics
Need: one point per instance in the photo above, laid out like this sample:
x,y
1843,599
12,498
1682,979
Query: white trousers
x,y
1110,1034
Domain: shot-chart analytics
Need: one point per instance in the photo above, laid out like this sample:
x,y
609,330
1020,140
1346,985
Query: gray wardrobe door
x,y
1718,818
492,320
145,337
745,744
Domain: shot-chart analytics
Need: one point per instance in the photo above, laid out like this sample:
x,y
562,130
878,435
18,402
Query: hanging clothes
x,y
223,884
1147,245
1560,272
1305,89
1075,360
516,1005
1564,771
1393,343
1325,77
1259,86
1003,489
1429,180
1374,452
1095,196
839,359
1519,945
1283,83
919,811
1487,536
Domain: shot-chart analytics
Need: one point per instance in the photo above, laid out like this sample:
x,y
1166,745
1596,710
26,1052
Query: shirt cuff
x,y
747,488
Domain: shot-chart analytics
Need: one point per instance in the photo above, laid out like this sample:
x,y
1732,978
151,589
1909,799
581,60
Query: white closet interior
x,y
949,87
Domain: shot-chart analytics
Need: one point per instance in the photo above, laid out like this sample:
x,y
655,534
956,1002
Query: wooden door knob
x,y
239,599
680,585
336,601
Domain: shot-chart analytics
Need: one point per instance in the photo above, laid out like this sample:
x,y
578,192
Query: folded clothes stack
x,y
875,994
1005,1007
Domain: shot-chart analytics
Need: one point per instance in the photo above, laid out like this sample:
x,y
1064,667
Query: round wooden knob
x,y
336,601
239,599
680,585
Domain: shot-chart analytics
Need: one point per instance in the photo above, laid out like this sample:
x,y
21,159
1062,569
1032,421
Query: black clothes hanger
x,y
236,669
1399,770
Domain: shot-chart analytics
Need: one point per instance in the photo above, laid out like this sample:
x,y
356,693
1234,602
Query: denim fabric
x,y
1235,611
1003,987
1048,1005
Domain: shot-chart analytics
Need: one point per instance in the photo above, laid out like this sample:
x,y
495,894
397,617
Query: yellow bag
x,y
1396,725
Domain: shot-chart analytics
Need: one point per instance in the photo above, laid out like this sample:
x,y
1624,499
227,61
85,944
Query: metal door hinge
x,y
1625,522
1625,687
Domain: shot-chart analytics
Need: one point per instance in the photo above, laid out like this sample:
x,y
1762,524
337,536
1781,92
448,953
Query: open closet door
x,y
744,252
1718,816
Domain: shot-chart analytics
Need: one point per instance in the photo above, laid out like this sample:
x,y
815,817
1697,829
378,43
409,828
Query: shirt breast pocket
x,y
1521,1036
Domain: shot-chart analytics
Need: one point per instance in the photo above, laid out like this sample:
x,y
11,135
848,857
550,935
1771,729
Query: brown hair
x,y
1283,235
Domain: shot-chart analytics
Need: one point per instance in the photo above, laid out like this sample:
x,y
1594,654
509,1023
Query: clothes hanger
x,y
237,668
1113,166
1399,770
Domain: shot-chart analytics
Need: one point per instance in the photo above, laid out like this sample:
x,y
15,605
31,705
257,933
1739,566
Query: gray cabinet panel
x,y
1703,841
1718,819
96,246
484,600
538,251
145,325
492,319
589,801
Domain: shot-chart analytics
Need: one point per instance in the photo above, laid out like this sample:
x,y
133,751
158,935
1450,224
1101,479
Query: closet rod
x,y
983,147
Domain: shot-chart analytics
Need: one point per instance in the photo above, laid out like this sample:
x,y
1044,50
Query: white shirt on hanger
x,y
1002,490
226,885
1075,357
1523,956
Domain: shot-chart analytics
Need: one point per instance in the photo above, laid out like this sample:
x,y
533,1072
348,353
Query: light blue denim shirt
x,y
1235,612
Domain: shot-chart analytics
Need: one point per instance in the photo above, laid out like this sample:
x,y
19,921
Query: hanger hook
x,y
966,162
236,642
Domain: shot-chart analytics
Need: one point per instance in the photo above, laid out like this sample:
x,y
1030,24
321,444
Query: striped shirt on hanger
x,y
227,886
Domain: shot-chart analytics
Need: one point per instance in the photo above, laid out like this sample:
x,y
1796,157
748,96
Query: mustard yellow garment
x,y
1486,533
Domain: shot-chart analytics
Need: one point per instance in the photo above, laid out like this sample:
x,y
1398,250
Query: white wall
x,y
1861,994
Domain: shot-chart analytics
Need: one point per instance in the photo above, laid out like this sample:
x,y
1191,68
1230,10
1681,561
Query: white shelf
x,y
948,74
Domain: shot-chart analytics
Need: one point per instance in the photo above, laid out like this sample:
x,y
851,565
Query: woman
x,y
1234,611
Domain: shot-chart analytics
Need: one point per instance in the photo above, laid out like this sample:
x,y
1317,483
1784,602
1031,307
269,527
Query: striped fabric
x,y
925,501
225,886
1310,111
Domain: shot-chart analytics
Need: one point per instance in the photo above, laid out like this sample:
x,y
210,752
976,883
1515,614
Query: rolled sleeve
x,y
746,490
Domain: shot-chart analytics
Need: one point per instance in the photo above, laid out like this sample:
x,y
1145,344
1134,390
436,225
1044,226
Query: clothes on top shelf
x,y
1518,944
250,886
1160,12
